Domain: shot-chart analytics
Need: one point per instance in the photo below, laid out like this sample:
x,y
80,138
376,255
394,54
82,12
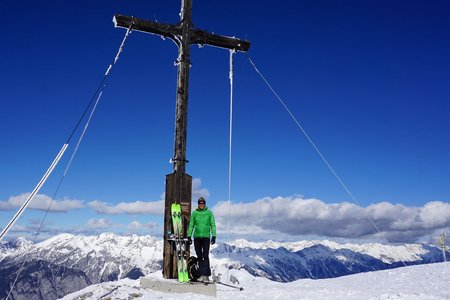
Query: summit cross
x,y
179,184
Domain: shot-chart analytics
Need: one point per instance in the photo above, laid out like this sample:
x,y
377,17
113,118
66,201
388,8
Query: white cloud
x,y
136,225
93,226
298,216
131,208
144,207
197,191
20,228
99,224
41,202
29,231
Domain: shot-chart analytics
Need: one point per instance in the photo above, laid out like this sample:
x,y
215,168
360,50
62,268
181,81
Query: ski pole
x,y
232,286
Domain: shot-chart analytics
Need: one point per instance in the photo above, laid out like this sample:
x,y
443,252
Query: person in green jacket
x,y
203,225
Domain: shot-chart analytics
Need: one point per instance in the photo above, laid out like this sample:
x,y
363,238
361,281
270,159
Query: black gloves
x,y
213,240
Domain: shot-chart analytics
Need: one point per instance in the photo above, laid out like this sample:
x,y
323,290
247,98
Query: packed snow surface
x,y
414,282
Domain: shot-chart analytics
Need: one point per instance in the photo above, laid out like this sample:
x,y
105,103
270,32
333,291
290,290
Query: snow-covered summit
x,y
18,245
136,250
104,257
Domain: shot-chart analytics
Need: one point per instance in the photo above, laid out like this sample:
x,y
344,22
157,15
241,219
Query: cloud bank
x,y
41,202
144,207
296,216
131,208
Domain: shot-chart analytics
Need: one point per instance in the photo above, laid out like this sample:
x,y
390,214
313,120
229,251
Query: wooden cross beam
x,y
184,35
198,36
179,184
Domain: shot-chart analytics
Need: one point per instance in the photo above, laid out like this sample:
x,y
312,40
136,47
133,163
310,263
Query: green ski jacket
x,y
202,223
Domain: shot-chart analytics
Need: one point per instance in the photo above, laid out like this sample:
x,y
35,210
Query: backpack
x,y
193,268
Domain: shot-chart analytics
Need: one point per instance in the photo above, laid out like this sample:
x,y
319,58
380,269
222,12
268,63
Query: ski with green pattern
x,y
180,247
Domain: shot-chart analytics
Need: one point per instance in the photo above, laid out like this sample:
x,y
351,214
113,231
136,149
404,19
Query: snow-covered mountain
x,y
82,260
322,259
386,253
66,263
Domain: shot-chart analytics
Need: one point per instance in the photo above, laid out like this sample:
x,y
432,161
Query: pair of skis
x,y
180,245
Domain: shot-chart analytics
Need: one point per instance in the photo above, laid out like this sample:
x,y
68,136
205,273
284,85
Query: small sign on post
x,y
442,242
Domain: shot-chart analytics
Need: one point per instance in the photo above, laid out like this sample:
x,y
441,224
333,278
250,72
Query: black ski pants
x,y
202,250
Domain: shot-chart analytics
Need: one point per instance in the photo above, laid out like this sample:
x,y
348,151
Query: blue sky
x,y
368,80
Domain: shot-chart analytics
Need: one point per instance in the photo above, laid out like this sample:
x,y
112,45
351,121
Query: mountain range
x,y
66,263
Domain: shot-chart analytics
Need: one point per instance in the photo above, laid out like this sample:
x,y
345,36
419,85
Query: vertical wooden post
x,y
179,184
184,63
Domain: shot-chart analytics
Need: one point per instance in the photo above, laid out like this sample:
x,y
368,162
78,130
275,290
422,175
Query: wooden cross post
x,y
179,184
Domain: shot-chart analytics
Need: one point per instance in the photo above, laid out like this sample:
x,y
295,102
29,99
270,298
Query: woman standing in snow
x,y
203,225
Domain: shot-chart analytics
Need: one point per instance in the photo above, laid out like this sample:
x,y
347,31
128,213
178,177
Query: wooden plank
x,y
165,30
202,37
